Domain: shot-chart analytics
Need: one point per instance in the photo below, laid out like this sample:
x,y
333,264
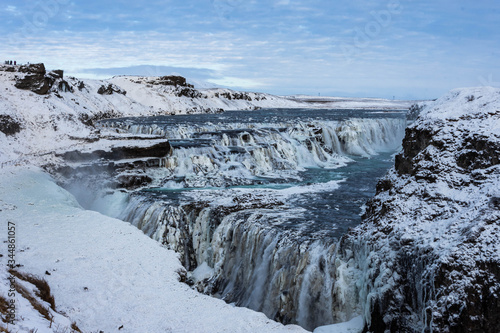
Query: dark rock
x,y
414,111
383,185
56,74
90,120
172,80
8,125
245,137
133,181
495,203
188,92
478,153
161,149
37,83
11,69
64,86
33,68
415,141
81,85
40,82
110,89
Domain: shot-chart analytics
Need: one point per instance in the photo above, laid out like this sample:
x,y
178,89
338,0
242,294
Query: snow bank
x,y
104,273
355,325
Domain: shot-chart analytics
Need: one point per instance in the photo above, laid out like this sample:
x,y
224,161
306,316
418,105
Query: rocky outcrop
x,y
230,95
172,80
37,80
8,125
428,251
32,68
188,92
131,181
110,89
120,167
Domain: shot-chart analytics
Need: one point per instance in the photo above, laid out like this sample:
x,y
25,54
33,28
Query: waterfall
x,y
229,205
238,154
289,278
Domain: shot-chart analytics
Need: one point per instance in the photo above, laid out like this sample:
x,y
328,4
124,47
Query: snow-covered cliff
x,y
427,257
55,113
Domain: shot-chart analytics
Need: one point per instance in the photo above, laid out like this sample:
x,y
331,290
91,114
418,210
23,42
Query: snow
x,y
355,325
202,272
104,273
354,103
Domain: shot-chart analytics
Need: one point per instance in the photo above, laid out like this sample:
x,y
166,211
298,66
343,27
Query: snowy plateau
x,y
425,257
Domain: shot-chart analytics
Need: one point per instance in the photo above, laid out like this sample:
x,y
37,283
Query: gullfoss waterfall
x,y
256,202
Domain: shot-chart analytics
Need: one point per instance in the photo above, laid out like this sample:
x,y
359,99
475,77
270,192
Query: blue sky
x,y
402,48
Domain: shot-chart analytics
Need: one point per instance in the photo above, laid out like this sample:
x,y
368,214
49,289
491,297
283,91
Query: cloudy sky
x,y
402,48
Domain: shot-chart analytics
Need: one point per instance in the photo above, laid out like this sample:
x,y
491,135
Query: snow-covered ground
x,y
104,273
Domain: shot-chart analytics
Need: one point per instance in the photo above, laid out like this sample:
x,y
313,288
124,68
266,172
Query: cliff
x,y
427,255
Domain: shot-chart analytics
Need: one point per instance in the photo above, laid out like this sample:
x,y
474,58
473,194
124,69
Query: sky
x,y
402,49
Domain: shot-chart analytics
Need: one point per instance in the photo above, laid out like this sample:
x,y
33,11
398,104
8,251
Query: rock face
x,y
160,149
173,80
110,89
428,254
39,81
121,167
35,79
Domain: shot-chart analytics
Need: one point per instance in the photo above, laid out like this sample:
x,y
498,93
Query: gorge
x,y
264,207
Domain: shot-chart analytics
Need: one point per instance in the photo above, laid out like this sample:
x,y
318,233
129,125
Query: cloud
x,y
278,46
235,82
11,9
282,3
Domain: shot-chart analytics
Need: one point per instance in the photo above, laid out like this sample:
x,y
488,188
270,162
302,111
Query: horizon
x,y
394,49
